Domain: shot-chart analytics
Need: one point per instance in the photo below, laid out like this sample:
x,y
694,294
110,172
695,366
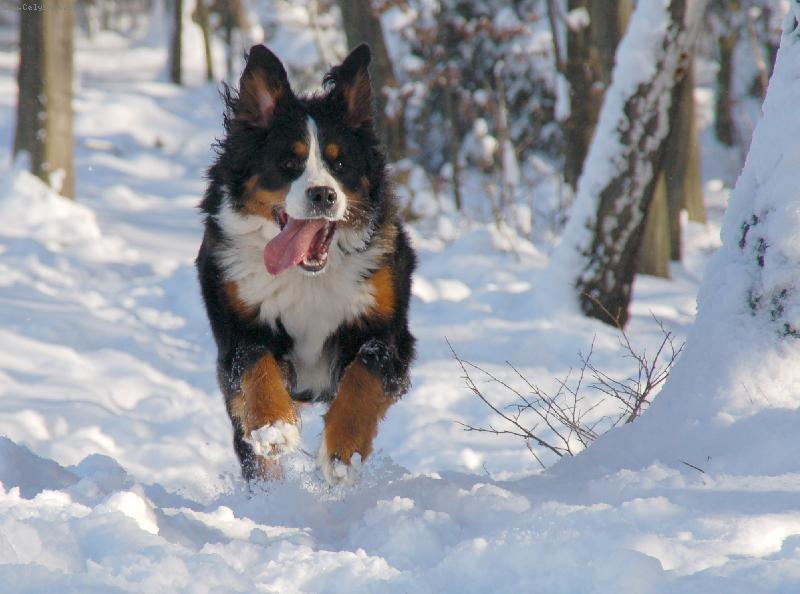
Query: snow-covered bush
x,y
475,60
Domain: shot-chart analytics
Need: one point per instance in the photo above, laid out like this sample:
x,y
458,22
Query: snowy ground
x,y
117,473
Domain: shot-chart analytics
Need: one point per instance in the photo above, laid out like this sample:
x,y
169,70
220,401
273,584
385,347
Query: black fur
x,y
257,142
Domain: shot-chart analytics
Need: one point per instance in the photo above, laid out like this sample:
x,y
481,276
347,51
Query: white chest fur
x,y
310,307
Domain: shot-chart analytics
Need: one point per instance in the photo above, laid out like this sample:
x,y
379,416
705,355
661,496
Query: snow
x,y
578,18
116,467
280,435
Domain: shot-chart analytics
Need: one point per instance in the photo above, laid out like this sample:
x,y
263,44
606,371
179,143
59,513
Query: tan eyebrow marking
x,y
331,151
300,149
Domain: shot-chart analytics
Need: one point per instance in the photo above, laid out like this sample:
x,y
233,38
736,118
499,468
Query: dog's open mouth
x,y
301,242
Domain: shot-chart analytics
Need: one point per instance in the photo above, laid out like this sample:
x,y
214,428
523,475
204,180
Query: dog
x,y
305,267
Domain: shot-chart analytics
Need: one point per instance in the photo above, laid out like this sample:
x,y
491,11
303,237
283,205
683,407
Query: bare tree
x,y
682,170
176,41
679,186
201,16
589,62
727,16
602,240
44,107
656,245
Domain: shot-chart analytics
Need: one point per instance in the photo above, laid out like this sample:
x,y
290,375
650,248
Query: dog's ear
x,y
352,84
262,86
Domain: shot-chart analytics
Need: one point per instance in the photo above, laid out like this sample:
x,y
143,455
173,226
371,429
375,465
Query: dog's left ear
x,y
351,82
262,87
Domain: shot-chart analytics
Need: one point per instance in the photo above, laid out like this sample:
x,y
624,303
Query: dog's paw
x,y
375,355
335,470
380,358
274,439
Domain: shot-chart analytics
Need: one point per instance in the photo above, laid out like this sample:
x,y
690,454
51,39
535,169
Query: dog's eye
x,y
337,166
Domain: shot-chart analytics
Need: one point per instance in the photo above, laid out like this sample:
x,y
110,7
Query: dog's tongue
x,y
292,244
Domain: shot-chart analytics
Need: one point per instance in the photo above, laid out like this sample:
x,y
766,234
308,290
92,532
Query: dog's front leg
x,y
267,416
361,402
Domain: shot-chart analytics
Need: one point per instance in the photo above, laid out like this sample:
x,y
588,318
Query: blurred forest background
x,y
487,108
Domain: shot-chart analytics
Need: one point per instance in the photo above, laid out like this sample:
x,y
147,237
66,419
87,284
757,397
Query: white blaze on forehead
x,y
316,173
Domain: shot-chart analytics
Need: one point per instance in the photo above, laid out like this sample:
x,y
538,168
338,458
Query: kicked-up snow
x,y
117,472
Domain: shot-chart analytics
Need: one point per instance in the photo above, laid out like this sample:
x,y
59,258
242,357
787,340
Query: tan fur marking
x,y
331,151
251,184
383,292
238,406
260,202
352,420
300,149
245,311
264,400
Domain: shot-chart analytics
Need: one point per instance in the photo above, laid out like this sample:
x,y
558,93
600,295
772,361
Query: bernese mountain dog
x,y
305,267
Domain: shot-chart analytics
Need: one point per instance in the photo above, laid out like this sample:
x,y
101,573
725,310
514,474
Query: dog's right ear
x,y
262,86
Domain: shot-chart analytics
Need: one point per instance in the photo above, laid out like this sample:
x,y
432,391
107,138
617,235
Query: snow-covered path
x,y
117,473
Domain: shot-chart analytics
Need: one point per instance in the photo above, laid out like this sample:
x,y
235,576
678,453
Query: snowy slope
x,y
117,473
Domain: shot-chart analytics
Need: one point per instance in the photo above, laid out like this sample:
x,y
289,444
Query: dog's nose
x,y
321,196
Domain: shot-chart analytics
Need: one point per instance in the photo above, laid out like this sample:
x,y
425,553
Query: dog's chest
x,y
310,308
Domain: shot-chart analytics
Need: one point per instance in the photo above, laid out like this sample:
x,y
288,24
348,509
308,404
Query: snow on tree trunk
x,y
602,239
761,232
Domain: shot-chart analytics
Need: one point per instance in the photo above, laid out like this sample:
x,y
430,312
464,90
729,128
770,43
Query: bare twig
x,y
518,429
552,17
697,468
565,417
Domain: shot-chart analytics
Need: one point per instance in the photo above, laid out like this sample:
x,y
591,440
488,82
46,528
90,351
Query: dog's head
x,y
309,164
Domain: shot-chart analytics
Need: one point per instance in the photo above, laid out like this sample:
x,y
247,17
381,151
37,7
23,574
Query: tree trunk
x,y
590,60
228,23
30,82
608,23
202,21
682,164
603,237
679,182
581,72
454,144
361,24
724,124
44,108
175,50
654,254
